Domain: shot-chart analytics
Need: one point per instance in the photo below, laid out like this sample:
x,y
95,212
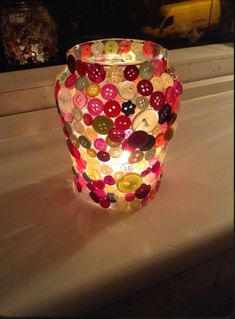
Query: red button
x,y
87,119
178,87
99,184
109,180
129,197
109,91
96,72
103,156
159,67
122,122
124,46
104,203
116,135
127,147
157,100
131,72
70,81
74,152
94,197
142,191
95,107
145,87
86,50
81,68
170,94
138,139
148,48
112,108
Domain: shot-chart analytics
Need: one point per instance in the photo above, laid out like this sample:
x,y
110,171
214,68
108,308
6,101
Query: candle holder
x,y
118,101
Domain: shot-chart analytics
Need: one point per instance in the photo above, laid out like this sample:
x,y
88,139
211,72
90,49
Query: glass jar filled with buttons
x,y
28,33
118,100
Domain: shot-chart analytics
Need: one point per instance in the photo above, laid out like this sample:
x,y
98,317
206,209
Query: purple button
x,y
100,144
145,87
95,107
131,72
157,100
109,91
138,139
142,191
96,73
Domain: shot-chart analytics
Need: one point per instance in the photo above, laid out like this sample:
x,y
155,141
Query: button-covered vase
x,y
118,100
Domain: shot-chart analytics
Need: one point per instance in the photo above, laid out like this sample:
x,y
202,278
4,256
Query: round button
x,y
73,151
127,90
128,57
63,76
124,46
122,122
172,118
65,100
164,114
111,197
81,83
93,173
131,72
171,71
149,144
112,108
78,127
129,182
94,197
112,143
92,89
136,47
142,102
115,152
157,100
116,135
79,99
178,87
159,67
104,203
100,144
91,152
145,121
71,63
136,156
150,153
87,119
95,107
170,94
83,140
111,47
96,73
103,156
97,48
102,124
128,107
169,134
106,169
146,70
137,139
109,91
114,74
90,133
127,168
81,68
167,80
99,184
86,50
129,197
142,191
77,114
148,49
70,81
145,87
109,180
157,83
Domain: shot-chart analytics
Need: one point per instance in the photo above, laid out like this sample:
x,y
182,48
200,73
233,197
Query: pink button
x,y
109,91
68,117
100,192
79,99
70,81
130,197
95,107
100,144
178,87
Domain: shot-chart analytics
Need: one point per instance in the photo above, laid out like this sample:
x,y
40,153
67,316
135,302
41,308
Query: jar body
x,y
118,100
28,33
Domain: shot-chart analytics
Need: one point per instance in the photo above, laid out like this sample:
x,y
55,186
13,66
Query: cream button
x,y
127,90
65,100
145,121
157,84
128,57
167,80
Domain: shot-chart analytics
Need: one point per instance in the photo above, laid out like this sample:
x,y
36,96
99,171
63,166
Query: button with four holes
x,y
102,124
131,72
109,91
95,107
145,87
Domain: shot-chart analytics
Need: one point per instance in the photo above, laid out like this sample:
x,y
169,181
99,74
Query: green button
x,y
142,102
102,124
150,154
146,70
111,46
77,113
83,140
64,76
82,83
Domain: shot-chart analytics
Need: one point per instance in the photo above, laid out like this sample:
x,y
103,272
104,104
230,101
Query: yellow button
x,y
157,83
129,182
92,89
136,156
78,127
145,121
91,152
114,74
112,143
97,48
106,169
167,80
118,175
91,133
140,166
115,152
136,48
127,90
128,57
93,173
111,46
150,179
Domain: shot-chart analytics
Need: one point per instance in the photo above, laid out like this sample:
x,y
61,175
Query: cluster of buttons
x,y
118,120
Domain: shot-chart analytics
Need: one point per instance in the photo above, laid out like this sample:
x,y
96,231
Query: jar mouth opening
x,y
118,51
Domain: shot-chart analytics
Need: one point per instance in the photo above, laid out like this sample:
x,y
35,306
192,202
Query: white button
x,y
127,90
145,121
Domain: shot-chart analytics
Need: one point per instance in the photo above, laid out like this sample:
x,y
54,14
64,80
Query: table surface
x,y
55,252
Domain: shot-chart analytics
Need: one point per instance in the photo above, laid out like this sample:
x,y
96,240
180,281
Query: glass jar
x,y
28,33
118,100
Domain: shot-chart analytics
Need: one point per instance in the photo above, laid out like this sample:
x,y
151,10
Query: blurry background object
x,y
28,33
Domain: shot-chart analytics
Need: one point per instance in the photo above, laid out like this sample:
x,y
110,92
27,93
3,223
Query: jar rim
x,y
113,55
